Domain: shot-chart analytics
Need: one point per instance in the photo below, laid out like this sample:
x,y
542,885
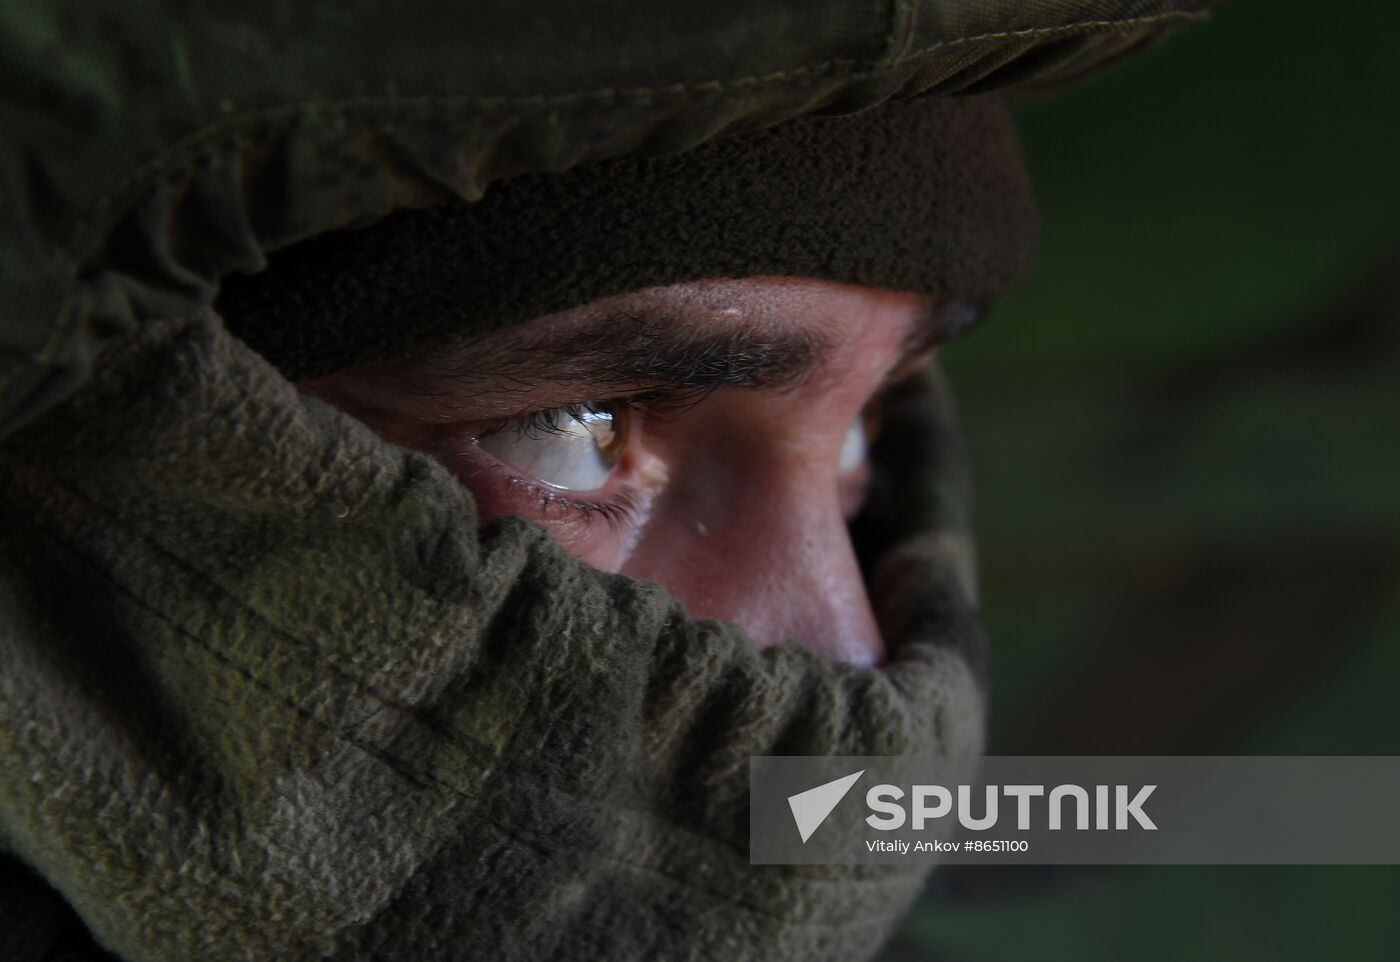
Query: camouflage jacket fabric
x,y
267,691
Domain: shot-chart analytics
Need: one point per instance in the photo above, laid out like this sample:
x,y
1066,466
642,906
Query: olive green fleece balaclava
x,y
266,690
350,725
276,697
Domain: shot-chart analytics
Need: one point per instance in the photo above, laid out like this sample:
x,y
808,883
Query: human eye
x,y
576,447
855,446
853,468
581,469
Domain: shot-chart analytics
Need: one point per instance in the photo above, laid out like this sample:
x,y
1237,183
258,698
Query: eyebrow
x,y
941,322
650,350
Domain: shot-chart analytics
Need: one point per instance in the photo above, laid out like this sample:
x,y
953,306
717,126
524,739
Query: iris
x,y
574,448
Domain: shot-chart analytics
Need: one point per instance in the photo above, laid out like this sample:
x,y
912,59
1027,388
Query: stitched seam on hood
x,y
173,157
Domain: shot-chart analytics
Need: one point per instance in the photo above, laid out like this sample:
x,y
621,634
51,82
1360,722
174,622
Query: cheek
x,y
767,548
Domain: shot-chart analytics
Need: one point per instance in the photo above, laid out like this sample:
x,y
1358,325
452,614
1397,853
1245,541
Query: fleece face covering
x,y
266,691
276,697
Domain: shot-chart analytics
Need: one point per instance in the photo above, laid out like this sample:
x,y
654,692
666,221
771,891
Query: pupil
x,y
603,425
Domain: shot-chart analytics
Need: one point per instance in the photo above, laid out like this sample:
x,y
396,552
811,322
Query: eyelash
x,y
534,424
652,406
622,507
616,512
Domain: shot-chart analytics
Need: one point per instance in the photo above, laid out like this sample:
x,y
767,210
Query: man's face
x,y
709,436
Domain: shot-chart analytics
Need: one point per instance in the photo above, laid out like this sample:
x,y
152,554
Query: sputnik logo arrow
x,y
810,808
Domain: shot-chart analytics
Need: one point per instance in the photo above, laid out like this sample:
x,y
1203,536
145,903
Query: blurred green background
x,y
1186,437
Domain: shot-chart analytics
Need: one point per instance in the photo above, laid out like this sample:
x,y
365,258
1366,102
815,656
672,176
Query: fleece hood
x,y
267,689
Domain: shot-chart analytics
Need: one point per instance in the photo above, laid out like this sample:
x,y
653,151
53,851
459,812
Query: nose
x,y
770,552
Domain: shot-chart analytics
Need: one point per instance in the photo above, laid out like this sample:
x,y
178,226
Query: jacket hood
x,y
128,132
267,689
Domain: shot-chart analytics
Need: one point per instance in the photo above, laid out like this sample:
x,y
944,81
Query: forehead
x,y
826,314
